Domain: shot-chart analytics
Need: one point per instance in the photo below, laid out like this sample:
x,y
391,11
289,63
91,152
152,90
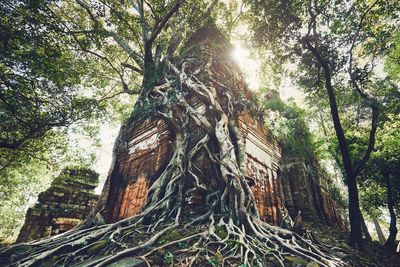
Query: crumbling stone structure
x,y
146,151
278,184
64,205
147,142
306,188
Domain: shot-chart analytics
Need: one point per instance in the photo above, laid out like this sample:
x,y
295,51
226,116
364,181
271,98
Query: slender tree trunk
x,y
378,229
390,242
355,237
365,228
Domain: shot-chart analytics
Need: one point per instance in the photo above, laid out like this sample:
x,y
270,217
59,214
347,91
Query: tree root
x,y
223,240
234,233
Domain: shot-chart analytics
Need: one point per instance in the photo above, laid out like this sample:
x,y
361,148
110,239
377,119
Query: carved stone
x,y
306,189
147,146
64,205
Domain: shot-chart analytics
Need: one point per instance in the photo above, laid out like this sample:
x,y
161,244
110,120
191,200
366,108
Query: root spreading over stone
x,y
229,229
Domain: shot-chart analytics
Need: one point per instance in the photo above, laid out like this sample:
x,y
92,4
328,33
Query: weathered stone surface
x,y
146,148
306,188
262,164
145,145
148,145
68,201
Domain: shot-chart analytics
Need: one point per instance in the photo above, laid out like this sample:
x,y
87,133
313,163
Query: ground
x,y
181,247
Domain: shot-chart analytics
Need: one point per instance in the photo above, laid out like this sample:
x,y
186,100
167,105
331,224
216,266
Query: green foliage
x,y
168,258
392,63
288,122
19,187
40,75
336,194
373,198
336,46
348,39
52,90
385,161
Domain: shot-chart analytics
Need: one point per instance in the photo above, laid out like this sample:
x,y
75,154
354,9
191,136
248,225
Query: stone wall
x,y
306,189
262,167
147,148
277,183
143,154
65,204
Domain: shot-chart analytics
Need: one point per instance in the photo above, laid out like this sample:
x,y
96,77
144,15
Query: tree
x,y
51,77
288,123
49,86
392,62
180,55
40,76
336,45
382,172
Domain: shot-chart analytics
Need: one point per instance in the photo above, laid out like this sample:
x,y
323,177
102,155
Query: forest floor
x,y
373,255
176,248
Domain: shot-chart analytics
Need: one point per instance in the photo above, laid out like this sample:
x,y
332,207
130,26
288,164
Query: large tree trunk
x,y
391,240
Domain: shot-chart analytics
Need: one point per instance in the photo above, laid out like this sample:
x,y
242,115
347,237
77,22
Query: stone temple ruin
x,y
65,204
277,183
142,151
145,145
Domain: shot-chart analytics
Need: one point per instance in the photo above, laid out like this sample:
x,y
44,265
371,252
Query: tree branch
x,y
159,26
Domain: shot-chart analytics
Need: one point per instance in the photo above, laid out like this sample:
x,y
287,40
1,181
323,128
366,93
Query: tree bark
x,y
355,236
390,242
378,229
365,228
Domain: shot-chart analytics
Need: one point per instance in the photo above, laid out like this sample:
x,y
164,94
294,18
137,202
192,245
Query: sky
x,y
108,134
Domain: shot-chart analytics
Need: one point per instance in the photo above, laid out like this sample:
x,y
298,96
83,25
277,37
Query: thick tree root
x,y
258,246
233,233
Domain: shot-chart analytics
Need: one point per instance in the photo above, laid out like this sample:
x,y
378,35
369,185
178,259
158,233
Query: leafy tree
x,y
288,123
19,187
382,173
336,45
50,85
53,74
40,75
392,62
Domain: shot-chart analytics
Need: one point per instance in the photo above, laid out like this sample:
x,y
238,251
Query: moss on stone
x,y
170,236
98,246
221,232
295,261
